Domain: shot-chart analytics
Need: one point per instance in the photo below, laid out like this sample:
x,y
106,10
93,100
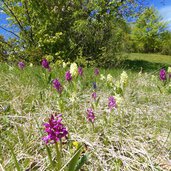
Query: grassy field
x,y
146,62
134,136
154,58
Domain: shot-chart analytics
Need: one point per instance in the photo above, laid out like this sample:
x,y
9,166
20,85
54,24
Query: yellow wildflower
x,y
74,69
119,99
124,79
75,144
64,64
169,70
102,77
109,78
31,65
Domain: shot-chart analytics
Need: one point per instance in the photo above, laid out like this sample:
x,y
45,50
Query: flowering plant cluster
x,y
45,64
94,95
80,71
112,103
21,65
165,75
96,71
90,115
102,77
57,85
110,79
55,129
74,69
68,76
123,79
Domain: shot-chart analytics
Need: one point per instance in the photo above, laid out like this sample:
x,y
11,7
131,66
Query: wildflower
x,y
93,13
108,11
75,144
45,64
68,76
109,79
58,63
169,71
170,86
96,71
64,64
118,99
124,79
57,85
21,65
31,65
102,77
73,69
94,95
49,58
117,84
55,130
163,74
90,115
94,85
80,71
111,103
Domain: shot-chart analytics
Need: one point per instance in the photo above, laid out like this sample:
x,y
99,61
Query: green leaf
x,y
159,89
13,155
97,101
74,160
49,78
81,162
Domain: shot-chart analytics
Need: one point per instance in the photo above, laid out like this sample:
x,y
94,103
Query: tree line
x,y
85,31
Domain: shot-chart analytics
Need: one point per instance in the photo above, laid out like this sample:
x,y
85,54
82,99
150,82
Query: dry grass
x,y
134,137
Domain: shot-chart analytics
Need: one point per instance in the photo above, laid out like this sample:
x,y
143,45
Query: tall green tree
x,y
66,29
147,31
3,52
166,43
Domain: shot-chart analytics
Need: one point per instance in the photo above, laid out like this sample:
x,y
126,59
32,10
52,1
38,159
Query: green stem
x,y
59,164
13,155
49,156
93,126
15,159
121,126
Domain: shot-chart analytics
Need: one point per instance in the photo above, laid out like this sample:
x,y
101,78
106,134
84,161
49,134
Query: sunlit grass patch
x,y
155,58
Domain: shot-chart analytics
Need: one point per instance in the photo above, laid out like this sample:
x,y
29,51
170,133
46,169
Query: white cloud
x,y
165,12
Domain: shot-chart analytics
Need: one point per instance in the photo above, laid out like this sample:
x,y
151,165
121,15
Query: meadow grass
x,y
133,137
154,58
146,62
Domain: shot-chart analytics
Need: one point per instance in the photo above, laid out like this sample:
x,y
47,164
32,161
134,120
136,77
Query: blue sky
x,y
164,7
164,10
2,22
